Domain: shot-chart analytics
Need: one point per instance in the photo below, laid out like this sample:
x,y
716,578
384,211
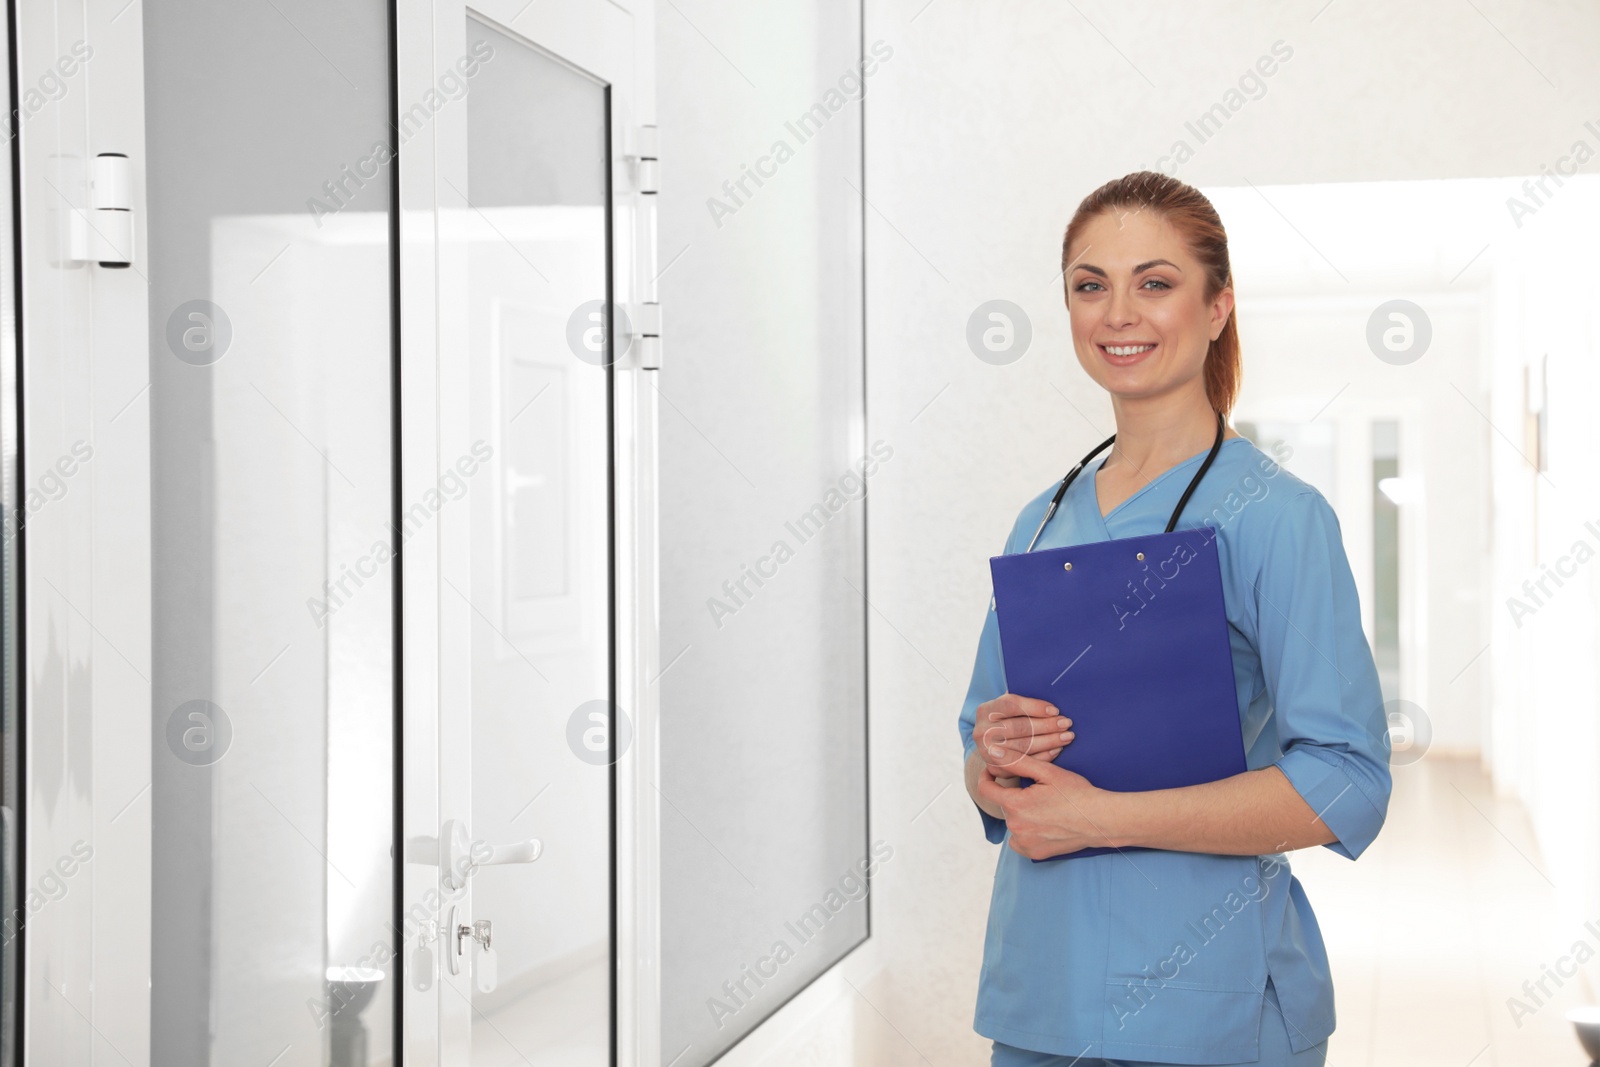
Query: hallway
x,y
505,507
1427,984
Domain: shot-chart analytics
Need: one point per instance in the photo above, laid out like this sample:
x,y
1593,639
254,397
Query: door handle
x,y
459,855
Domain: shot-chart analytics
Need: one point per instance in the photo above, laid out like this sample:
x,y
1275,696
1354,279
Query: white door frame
x,y
430,35
84,653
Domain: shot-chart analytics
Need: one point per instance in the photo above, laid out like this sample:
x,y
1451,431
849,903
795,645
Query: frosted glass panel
x,y
272,937
763,776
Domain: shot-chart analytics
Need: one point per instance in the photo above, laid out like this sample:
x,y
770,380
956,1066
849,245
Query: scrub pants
x,y
1274,1049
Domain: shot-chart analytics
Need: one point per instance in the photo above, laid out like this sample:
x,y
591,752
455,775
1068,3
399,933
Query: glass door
x,y
510,268
209,613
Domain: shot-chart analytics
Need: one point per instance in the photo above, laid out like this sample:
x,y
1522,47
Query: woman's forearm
x,y
1248,814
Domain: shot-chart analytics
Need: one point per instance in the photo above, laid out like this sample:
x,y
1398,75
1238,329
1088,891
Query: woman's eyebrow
x,y
1092,269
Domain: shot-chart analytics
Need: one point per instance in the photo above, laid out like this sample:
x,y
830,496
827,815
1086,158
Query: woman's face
x,y
1141,324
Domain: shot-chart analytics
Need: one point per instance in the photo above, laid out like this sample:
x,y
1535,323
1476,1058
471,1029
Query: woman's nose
x,y
1119,309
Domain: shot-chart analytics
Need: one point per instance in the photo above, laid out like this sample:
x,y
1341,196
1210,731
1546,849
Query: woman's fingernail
x,y
1066,722
1066,736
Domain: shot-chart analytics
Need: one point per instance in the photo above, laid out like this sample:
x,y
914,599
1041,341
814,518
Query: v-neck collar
x,y
1094,490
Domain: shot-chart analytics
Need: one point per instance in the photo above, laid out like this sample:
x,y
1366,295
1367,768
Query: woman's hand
x,y
1060,813
1011,726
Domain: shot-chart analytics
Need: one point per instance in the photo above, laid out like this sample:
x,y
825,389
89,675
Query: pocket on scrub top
x,y
1187,920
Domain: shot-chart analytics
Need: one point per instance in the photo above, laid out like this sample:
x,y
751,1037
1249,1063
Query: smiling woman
x,y
1150,294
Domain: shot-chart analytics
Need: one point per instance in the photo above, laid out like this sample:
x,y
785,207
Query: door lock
x,y
480,931
486,964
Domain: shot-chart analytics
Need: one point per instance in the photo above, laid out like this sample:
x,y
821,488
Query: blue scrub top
x,y
1164,956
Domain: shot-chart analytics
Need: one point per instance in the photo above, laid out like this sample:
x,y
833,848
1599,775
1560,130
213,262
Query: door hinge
x,y
103,234
647,159
647,334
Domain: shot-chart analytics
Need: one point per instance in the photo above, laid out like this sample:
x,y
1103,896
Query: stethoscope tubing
x,y
1172,523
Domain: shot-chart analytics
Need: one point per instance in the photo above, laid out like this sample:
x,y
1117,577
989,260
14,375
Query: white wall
x,y
1545,648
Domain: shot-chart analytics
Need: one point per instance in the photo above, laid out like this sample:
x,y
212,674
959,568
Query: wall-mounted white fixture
x,y
104,233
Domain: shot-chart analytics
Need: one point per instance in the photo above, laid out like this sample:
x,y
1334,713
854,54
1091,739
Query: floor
x,y
1438,925
562,1022
1429,933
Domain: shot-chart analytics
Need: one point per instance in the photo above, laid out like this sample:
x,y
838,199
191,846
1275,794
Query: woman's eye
x,y
1088,286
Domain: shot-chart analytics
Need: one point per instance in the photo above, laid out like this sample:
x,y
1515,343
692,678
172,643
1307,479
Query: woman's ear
x,y
1221,308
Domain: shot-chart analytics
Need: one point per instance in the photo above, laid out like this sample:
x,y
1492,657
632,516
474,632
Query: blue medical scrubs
x,y
1163,957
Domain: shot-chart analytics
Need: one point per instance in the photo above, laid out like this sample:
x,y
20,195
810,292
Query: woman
x,y
1204,949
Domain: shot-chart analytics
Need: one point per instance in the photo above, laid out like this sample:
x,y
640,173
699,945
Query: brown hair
x,y
1192,214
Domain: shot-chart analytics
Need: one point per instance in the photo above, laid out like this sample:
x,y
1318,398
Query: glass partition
x,y
763,483
267,134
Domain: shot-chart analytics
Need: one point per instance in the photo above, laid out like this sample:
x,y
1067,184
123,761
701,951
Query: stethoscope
x,y
1101,447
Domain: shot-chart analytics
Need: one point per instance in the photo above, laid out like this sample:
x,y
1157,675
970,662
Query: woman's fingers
x,y
1003,753
1000,771
1027,726
1018,732
1008,705
1049,743
1013,726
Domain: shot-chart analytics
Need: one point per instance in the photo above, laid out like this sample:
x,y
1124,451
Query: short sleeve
x,y
1320,674
988,682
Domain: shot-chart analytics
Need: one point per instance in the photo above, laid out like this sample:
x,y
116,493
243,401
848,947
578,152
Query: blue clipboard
x,y
1129,639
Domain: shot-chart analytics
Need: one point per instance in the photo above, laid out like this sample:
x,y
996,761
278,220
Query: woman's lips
x,y
1125,360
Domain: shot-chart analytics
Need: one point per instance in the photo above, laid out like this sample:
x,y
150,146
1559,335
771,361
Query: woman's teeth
x,y
1127,350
